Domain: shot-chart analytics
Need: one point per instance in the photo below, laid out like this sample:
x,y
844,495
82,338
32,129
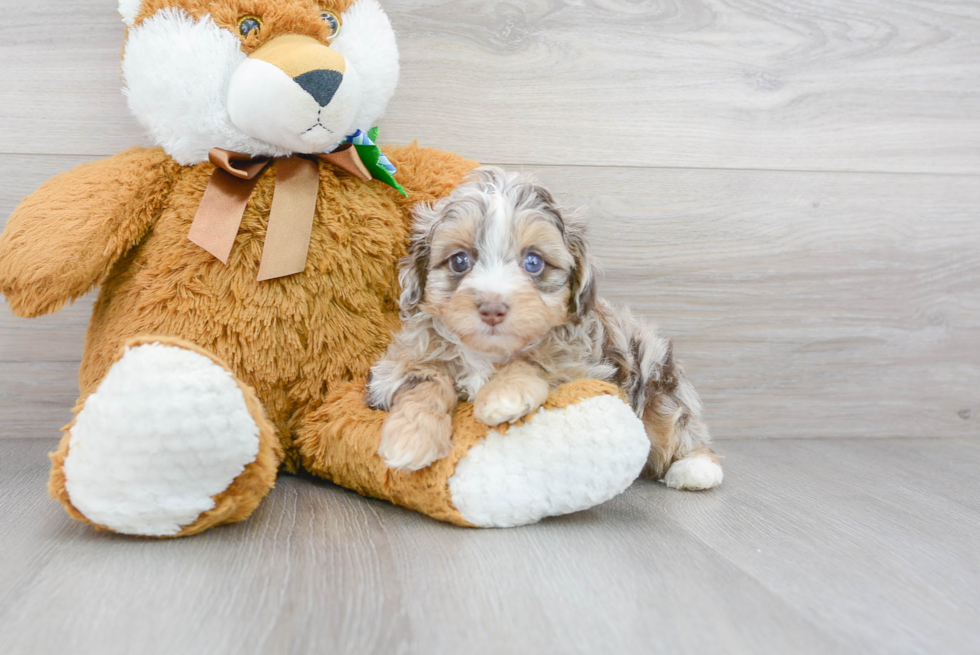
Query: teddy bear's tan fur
x,y
298,348
294,340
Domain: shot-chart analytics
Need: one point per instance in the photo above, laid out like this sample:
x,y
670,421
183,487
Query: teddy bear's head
x,y
259,77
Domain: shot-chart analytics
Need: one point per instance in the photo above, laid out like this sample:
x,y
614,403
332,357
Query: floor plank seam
x,y
736,169
732,169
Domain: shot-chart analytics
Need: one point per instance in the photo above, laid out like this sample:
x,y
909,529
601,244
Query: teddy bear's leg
x,y
582,448
168,445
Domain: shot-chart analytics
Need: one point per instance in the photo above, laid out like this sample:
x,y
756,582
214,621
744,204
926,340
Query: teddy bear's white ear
x,y
129,9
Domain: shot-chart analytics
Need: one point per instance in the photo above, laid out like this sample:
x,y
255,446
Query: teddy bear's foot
x,y
582,448
573,454
170,443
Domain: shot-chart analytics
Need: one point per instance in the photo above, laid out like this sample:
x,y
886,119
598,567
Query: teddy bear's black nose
x,y
321,84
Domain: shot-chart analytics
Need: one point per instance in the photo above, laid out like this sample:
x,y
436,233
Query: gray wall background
x,y
791,190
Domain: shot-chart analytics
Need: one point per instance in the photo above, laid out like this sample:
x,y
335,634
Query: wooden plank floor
x,y
810,546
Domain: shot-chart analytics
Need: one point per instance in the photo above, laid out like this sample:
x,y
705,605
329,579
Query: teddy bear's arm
x,y
65,237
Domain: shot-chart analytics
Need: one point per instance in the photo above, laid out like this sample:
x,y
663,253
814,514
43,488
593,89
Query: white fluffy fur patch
x,y
560,461
177,72
166,431
367,41
129,9
694,474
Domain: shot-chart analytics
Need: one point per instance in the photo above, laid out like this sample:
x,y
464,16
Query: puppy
x,y
499,308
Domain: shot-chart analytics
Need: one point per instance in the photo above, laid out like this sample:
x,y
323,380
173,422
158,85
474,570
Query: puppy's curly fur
x,y
499,307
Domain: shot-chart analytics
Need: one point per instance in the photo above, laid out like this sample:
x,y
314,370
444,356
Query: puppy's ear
x,y
584,271
573,226
415,266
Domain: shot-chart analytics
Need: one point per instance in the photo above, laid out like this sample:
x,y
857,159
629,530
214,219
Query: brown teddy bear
x,y
248,273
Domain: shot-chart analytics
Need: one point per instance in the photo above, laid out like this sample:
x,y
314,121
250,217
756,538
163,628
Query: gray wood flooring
x,y
810,546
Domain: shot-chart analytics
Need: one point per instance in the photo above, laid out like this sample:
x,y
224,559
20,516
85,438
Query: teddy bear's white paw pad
x,y
166,430
560,461
694,474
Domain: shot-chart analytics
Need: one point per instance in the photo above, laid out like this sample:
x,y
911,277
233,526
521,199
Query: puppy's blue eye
x,y
533,264
460,262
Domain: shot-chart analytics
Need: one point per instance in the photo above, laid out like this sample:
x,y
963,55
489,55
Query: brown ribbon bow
x,y
287,239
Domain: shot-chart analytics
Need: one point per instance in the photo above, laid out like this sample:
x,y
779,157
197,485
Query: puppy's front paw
x,y
497,404
413,437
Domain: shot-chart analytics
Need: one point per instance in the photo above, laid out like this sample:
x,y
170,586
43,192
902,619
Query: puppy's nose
x,y
321,84
493,313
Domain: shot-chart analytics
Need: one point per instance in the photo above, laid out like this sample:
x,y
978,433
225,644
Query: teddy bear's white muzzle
x,y
294,93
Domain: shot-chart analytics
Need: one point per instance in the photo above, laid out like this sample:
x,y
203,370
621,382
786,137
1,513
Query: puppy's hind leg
x,y
661,395
680,451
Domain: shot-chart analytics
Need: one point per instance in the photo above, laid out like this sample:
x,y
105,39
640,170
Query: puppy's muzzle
x,y
317,69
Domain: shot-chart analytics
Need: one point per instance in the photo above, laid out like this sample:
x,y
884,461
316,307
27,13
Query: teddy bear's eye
x,y
248,25
332,23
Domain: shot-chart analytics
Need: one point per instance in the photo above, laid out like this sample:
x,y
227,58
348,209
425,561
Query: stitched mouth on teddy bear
x,y
318,127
